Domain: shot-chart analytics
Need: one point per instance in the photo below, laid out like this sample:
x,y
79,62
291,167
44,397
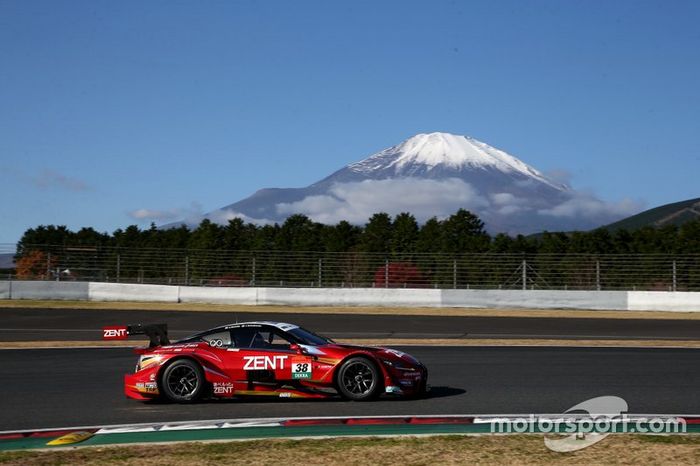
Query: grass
x,y
409,311
512,450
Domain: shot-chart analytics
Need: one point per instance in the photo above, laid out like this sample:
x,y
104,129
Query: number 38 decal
x,y
301,369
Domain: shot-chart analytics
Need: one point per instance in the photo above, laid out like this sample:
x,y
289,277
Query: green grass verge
x,y
487,449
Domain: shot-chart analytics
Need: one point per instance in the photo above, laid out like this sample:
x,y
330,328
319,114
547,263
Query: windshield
x,y
308,337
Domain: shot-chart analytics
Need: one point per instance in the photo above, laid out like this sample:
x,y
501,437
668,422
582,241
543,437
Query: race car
x,y
273,359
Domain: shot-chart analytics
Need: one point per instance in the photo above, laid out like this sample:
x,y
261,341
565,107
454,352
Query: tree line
x,y
460,233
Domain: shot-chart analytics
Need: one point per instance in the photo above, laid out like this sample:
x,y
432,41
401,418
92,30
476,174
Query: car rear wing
x,y
156,333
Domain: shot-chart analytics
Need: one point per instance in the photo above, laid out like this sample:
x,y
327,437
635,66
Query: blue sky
x,y
111,107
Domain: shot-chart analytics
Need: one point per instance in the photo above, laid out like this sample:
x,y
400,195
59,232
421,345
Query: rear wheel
x,y
182,381
359,379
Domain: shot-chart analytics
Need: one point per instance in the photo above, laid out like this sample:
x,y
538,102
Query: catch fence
x,y
358,269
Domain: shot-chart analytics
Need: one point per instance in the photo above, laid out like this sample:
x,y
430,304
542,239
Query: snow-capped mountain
x,y
434,175
437,154
441,156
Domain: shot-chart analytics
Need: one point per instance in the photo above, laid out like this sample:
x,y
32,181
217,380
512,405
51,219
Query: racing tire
x,y
359,379
182,381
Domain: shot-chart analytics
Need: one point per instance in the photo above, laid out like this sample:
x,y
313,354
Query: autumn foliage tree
x,y
34,265
400,275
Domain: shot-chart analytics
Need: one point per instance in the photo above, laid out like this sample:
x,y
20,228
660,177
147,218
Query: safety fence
x,y
358,269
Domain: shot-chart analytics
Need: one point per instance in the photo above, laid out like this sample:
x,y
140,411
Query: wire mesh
x,y
357,269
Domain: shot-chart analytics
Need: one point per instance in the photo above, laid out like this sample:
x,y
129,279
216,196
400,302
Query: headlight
x,y
397,366
148,360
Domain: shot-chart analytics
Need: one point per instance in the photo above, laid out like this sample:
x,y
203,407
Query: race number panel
x,y
301,368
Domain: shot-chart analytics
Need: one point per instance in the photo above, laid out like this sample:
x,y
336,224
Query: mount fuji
x,y
434,175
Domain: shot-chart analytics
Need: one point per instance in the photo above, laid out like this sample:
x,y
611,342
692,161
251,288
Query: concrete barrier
x,y
535,299
663,301
503,299
77,291
5,290
132,292
349,297
219,295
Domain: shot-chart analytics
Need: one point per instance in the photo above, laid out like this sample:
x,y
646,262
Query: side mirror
x,y
297,348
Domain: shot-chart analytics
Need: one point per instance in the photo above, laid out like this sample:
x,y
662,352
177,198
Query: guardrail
x,y
359,270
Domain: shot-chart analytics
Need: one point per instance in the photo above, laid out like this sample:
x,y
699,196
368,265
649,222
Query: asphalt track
x,y
45,388
85,325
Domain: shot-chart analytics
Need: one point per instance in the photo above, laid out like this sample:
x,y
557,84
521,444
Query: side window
x,y
218,339
270,339
243,336
262,337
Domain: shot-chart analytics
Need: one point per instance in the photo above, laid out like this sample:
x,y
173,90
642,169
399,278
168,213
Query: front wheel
x,y
359,379
182,381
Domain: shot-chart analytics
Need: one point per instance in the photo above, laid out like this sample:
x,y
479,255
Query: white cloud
x,y
560,176
357,201
223,216
51,179
589,207
145,215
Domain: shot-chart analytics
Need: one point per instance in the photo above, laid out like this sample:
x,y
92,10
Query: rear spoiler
x,y
156,333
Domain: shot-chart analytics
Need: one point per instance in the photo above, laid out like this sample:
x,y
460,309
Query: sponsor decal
x,y
256,363
223,388
285,395
285,327
216,343
301,368
114,333
147,387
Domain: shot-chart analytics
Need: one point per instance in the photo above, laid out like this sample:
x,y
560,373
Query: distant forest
x,y
463,232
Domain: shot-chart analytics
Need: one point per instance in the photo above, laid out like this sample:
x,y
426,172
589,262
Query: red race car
x,y
268,359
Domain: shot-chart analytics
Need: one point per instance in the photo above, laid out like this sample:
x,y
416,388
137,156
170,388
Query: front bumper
x,y
139,389
408,383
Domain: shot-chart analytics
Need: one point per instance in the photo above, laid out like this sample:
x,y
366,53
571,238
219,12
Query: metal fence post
x,y
119,267
454,274
48,266
187,270
386,273
597,275
252,281
524,266
675,283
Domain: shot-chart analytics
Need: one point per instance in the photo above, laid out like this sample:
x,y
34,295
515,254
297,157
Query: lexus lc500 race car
x,y
268,359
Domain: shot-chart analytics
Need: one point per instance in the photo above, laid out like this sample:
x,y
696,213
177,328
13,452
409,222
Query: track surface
x,y
80,387
70,324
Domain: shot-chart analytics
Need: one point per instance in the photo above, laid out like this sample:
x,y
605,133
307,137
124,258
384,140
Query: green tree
x,y
208,235
238,236
430,236
464,232
377,235
342,237
404,234
299,233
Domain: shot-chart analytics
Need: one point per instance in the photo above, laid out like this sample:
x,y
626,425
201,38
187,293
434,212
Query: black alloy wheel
x,y
359,379
182,381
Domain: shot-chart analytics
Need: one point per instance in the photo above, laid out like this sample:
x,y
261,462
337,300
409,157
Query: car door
x,y
259,359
